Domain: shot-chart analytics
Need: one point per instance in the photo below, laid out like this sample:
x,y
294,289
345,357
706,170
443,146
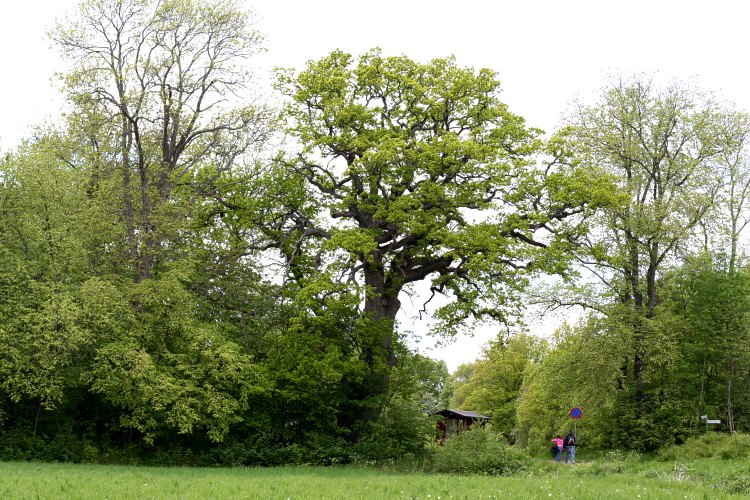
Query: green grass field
x,y
592,480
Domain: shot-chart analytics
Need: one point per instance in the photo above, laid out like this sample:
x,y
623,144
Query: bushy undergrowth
x,y
63,447
316,449
478,451
738,484
709,445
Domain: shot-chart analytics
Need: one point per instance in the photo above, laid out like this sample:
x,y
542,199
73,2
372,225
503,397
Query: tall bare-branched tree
x,y
159,87
662,146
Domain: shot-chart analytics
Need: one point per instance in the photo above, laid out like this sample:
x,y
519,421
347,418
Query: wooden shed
x,y
456,421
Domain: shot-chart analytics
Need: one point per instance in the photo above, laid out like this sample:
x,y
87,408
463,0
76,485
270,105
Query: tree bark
x,y
730,409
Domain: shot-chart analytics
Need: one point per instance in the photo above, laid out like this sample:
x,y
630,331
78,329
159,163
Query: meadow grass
x,y
45,480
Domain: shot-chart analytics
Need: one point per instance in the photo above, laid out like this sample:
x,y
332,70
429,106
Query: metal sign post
x,y
575,414
709,421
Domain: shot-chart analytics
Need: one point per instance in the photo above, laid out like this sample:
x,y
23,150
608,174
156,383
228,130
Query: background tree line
x,y
177,285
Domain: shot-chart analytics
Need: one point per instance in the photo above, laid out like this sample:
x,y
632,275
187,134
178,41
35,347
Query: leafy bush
x,y
62,447
737,446
21,446
478,451
709,445
66,447
403,430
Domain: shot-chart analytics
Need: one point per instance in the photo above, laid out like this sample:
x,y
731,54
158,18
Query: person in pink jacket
x,y
557,447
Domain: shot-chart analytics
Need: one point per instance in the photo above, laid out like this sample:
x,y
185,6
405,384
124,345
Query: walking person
x,y
557,447
570,447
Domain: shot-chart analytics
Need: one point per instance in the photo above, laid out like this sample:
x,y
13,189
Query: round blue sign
x,y
576,412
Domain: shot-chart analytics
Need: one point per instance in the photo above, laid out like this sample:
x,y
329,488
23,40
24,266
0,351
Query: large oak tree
x,y
418,172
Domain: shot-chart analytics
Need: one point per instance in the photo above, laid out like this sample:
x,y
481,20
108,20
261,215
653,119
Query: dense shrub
x,y
712,444
263,451
736,446
316,449
478,451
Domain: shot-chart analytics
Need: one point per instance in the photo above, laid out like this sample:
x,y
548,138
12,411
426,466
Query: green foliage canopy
x,y
417,171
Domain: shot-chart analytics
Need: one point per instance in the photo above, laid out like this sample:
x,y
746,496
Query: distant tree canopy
x,y
496,379
675,155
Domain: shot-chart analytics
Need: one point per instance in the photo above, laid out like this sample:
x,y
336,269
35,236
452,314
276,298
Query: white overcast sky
x,y
546,52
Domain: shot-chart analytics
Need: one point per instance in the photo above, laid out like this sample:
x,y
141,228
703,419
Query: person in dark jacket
x,y
570,447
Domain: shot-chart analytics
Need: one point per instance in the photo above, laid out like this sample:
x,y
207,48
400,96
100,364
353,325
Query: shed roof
x,y
462,414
